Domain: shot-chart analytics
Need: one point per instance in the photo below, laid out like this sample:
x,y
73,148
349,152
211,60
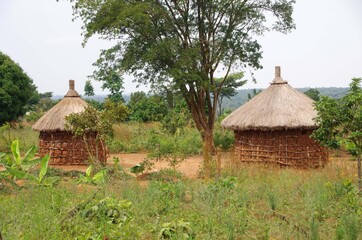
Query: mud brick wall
x,y
283,147
66,149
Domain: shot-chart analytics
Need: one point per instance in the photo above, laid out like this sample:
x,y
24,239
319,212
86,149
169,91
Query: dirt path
x,y
189,167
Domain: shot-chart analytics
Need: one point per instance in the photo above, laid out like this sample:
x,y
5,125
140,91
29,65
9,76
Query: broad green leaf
x,y
21,174
43,168
100,177
16,151
89,171
30,154
85,179
27,165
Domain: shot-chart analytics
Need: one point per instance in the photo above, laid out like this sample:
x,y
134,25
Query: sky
x,y
325,50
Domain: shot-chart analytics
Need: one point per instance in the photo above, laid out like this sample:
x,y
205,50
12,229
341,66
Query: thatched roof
x,y
54,118
278,107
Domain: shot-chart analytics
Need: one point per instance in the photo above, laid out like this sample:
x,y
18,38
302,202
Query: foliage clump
x,y
97,124
16,90
18,167
107,218
340,123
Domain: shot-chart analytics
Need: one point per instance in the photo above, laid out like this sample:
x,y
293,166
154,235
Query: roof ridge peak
x,y
72,92
278,79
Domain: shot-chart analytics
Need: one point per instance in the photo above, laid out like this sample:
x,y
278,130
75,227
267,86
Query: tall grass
x,y
26,136
251,202
145,137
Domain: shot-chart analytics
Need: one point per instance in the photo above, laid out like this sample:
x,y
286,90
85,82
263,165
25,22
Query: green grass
x,y
145,137
27,137
245,202
251,202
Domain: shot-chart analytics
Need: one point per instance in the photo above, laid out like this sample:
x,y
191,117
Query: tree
x,y
16,90
88,89
98,122
114,83
313,93
231,83
340,123
177,118
146,109
183,43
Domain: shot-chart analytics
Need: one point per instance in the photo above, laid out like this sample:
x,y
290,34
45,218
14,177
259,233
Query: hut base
x,y
282,147
66,149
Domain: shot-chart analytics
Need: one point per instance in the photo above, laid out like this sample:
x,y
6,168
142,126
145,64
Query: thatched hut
x,y
65,148
275,127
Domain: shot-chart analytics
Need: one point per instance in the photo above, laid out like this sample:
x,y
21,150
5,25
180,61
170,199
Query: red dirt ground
x,y
189,167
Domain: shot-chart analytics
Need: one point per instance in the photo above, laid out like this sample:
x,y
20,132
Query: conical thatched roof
x,y
278,107
54,118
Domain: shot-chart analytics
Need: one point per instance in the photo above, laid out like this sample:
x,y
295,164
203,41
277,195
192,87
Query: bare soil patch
x,y
191,166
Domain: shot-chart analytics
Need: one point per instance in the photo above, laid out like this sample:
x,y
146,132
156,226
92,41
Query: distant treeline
x,y
242,96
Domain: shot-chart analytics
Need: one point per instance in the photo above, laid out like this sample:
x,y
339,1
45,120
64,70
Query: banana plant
x,y
4,174
18,162
17,167
21,174
97,179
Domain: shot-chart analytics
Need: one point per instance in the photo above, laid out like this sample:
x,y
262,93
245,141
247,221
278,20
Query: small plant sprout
x,y
97,179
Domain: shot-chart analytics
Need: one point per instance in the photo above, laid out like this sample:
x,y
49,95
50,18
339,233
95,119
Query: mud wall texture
x,y
284,147
67,149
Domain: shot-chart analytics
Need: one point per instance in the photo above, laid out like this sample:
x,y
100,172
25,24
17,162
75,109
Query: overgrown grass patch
x,y
252,202
26,136
145,137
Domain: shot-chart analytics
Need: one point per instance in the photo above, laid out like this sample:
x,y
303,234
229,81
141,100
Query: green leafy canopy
x,y
16,90
340,122
183,44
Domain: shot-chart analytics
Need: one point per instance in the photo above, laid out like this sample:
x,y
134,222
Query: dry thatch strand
x,y
278,107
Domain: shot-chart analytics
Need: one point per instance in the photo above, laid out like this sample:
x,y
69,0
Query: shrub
x,y
223,139
108,218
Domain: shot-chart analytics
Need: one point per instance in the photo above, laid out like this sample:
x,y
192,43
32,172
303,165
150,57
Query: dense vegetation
x,y
340,123
16,90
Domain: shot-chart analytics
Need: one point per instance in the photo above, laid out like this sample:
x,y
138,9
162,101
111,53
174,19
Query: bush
x,y
148,137
108,218
177,119
224,139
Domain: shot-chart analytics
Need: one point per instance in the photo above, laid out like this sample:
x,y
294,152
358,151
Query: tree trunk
x,y
359,173
208,152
